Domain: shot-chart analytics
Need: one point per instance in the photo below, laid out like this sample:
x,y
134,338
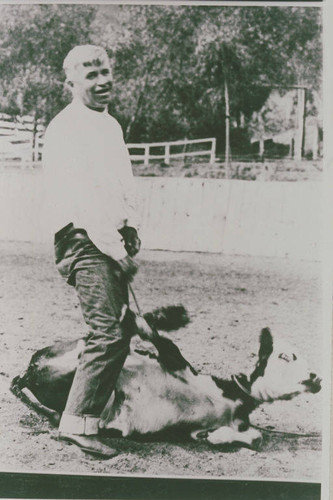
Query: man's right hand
x,y
129,267
131,240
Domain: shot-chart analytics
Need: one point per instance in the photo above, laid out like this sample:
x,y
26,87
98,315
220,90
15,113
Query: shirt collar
x,y
78,104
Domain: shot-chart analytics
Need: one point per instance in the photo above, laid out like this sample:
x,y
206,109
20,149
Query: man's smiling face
x,y
91,82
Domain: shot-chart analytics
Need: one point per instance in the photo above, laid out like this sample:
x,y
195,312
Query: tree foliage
x,y
170,63
34,41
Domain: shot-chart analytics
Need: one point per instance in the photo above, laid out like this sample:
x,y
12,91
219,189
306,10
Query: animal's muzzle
x,y
313,383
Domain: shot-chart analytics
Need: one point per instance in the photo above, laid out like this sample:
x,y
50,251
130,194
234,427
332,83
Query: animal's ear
x,y
266,344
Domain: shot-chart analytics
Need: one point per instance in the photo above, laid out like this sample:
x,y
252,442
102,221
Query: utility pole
x,y
299,139
227,128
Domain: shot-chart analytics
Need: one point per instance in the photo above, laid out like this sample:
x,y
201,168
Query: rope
x,y
134,298
272,431
243,389
284,433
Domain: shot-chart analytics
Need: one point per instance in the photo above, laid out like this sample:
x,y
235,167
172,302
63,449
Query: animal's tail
x,y
17,385
167,318
20,389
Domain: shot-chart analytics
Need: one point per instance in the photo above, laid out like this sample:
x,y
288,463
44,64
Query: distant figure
x,y
91,196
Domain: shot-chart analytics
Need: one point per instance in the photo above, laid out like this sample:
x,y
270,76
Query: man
x,y
91,193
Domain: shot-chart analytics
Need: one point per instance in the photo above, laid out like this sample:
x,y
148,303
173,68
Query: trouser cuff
x,y
79,424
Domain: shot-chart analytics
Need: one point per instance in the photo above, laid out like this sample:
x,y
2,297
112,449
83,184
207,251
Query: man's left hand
x,y
131,240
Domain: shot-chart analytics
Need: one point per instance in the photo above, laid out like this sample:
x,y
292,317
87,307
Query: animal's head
x,y
280,372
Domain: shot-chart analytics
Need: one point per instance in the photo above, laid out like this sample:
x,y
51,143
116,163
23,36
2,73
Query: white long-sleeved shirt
x,y
89,179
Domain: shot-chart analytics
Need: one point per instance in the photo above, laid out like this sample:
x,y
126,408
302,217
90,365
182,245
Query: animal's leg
x,y
201,434
114,418
227,435
168,353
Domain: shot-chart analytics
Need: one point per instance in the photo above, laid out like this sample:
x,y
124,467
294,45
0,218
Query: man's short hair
x,y
85,55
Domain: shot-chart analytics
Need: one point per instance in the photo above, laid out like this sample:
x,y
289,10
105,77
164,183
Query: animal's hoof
x,y
223,435
200,435
55,420
256,443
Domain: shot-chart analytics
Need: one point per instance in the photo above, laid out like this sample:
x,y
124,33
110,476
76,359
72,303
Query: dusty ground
x,y
269,170
229,299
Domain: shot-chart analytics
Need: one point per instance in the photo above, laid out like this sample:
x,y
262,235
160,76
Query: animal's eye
x,y
284,356
294,357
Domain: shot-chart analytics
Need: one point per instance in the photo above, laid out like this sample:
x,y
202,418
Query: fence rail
x,y
272,219
167,155
20,139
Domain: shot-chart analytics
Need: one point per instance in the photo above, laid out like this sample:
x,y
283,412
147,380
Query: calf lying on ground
x,y
159,392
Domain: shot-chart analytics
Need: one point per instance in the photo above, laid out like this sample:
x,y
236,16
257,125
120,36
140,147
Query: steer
x,y
163,392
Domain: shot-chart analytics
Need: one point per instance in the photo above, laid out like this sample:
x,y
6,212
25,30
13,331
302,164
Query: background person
x,y
91,196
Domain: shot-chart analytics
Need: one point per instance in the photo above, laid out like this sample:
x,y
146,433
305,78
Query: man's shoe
x,y
94,445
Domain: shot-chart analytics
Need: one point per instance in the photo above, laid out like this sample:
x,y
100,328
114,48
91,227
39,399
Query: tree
x,y
152,47
172,64
252,50
34,42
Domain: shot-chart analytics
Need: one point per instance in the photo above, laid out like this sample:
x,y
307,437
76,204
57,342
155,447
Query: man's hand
x,y
132,242
129,267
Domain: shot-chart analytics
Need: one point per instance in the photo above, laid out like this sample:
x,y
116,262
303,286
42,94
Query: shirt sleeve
x,y
127,181
109,244
56,195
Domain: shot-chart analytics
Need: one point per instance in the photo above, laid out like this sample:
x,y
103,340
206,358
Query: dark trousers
x,y
102,291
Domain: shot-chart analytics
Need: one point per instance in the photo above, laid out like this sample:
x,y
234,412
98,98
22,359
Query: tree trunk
x,y
34,134
139,101
262,137
136,112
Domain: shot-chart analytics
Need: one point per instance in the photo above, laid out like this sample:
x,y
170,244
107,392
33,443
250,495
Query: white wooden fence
x,y
147,155
18,142
281,219
276,219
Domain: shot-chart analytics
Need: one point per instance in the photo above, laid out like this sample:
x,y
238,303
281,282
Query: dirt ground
x,y
229,300
269,170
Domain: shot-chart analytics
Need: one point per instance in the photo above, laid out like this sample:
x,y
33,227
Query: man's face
x,y
92,83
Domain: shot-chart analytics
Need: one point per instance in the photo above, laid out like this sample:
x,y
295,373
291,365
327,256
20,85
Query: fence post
x,y
146,158
167,154
261,148
315,143
213,151
38,146
292,147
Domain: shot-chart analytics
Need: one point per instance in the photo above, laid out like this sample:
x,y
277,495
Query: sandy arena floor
x,y
229,300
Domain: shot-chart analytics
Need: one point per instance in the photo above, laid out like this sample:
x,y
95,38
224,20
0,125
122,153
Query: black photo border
x,y
31,485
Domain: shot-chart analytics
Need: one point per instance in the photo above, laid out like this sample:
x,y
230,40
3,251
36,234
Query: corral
x,y
235,217
229,299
